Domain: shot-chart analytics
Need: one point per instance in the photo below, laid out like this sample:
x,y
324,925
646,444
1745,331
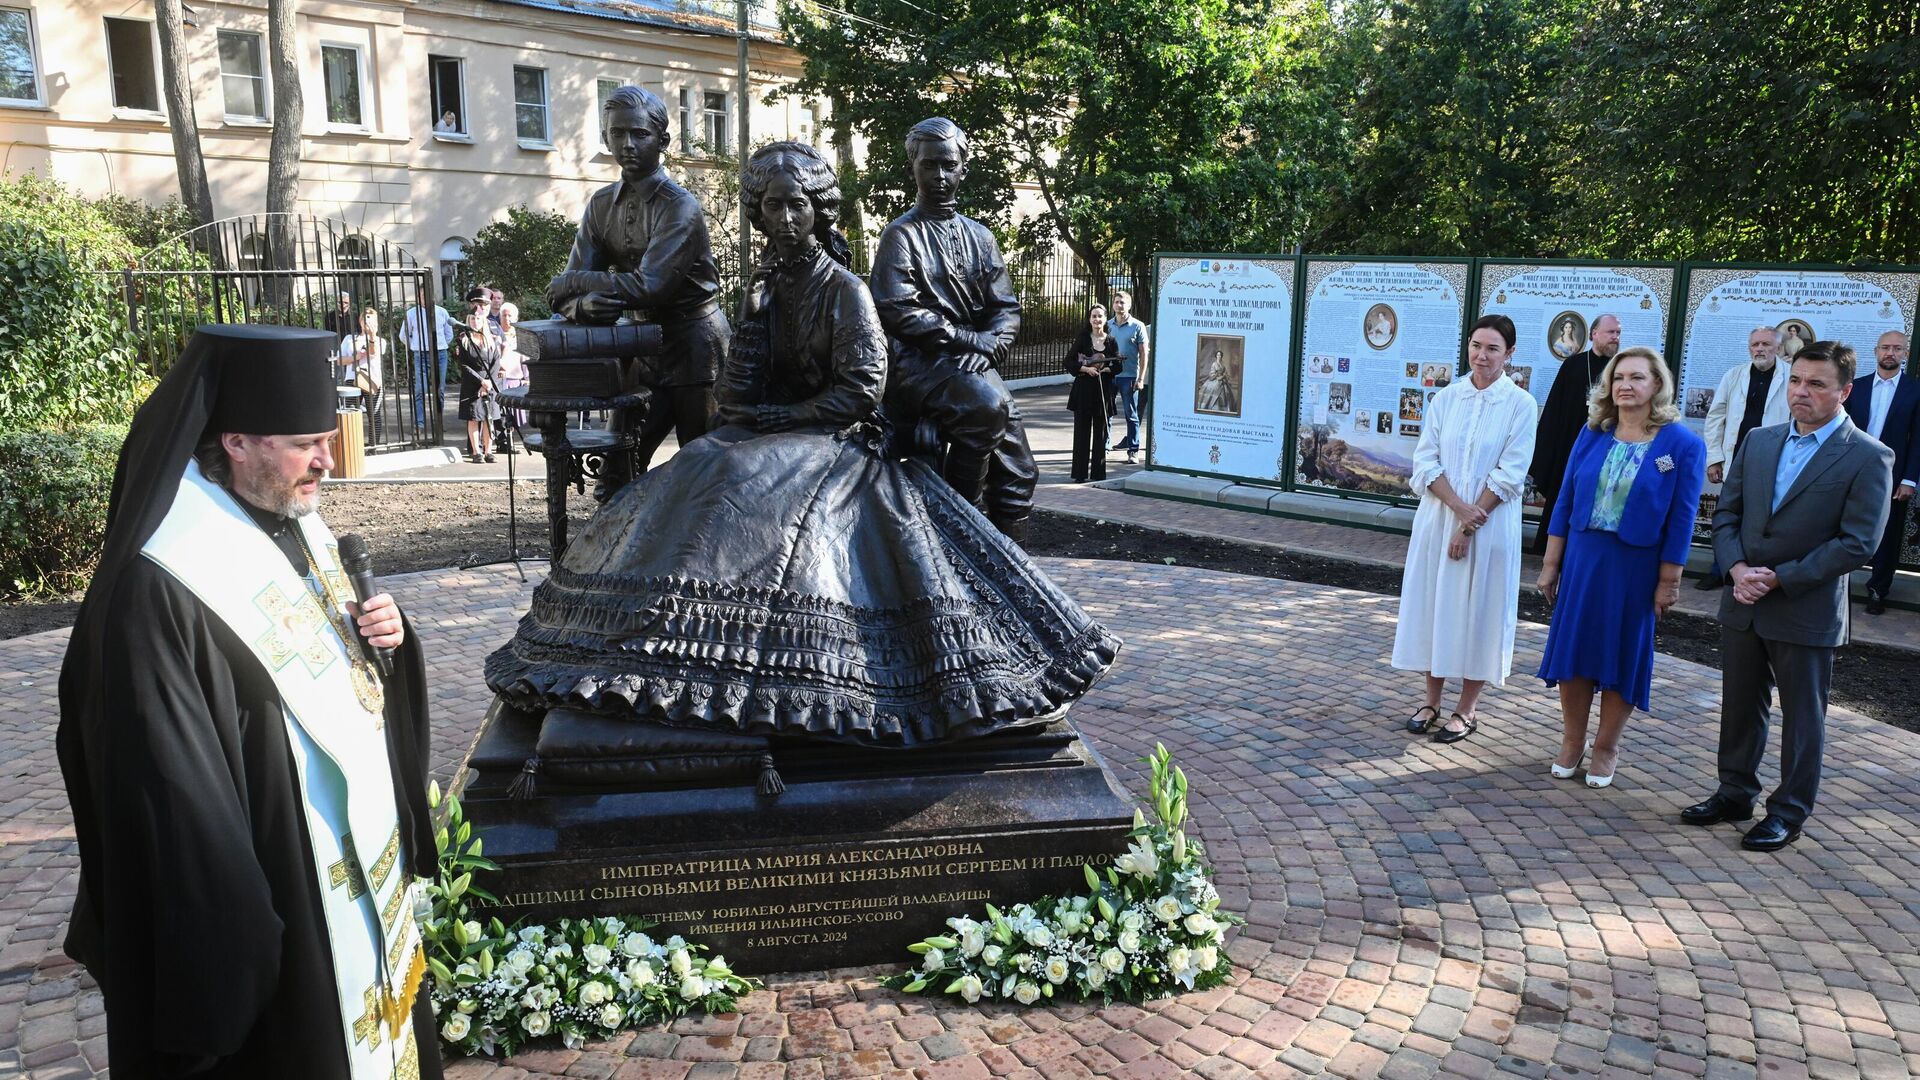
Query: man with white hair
x,y
1754,394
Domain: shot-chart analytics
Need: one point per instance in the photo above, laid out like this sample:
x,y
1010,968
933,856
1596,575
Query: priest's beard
x,y
265,488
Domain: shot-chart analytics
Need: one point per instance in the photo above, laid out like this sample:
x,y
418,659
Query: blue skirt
x,y
1603,618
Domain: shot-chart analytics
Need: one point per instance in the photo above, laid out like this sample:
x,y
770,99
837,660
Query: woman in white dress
x,y
1459,597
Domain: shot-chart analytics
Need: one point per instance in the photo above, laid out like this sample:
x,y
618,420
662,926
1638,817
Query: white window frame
x,y
433,123
545,141
723,146
39,98
685,99
265,119
126,112
360,75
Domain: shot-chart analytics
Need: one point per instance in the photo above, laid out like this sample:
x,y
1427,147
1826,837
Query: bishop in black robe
x,y
1560,421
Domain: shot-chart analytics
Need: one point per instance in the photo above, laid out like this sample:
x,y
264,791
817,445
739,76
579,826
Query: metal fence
x,y
1055,290
293,270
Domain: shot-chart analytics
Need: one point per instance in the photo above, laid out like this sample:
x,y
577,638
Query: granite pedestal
x,y
864,852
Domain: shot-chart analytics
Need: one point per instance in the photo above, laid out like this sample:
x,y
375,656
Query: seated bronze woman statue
x,y
783,576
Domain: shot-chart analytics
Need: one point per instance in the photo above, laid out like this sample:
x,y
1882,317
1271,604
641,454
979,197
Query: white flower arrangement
x,y
1149,927
496,987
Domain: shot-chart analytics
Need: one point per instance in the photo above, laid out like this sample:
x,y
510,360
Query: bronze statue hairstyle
x,y
817,179
643,101
935,129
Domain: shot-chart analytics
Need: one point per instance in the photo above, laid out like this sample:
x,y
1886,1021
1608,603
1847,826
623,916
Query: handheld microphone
x,y
358,563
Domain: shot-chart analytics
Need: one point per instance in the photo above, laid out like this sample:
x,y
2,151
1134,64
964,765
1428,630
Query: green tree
x,y
1749,129
520,256
1140,125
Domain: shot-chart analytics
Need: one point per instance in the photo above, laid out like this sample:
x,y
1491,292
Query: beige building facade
x,y
423,119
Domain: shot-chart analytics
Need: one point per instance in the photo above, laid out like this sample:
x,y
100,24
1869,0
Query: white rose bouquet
x,y
1149,927
497,987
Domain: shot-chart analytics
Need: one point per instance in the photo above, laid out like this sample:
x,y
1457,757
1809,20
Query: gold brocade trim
x,y
346,873
397,1009
392,911
367,1028
409,1067
366,685
393,952
293,630
384,865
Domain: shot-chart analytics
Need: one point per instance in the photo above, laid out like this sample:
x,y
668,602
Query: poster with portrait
x,y
1724,305
1380,339
1222,362
1554,308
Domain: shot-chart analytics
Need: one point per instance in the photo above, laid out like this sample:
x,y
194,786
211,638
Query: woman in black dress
x,y
1093,359
782,575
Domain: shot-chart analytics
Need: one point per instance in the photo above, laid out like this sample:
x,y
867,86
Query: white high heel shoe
x,y
1569,772
1602,781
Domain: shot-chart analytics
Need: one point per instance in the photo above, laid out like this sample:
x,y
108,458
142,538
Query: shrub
x,y
69,356
520,256
54,487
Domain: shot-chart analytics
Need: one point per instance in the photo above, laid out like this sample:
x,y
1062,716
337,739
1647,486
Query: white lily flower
x,y
1181,963
1139,860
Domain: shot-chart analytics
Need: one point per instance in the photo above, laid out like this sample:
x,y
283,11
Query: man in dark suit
x,y
1802,506
1565,413
1886,405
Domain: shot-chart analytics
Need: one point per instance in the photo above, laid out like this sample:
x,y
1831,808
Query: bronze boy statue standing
x,y
643,247
950,314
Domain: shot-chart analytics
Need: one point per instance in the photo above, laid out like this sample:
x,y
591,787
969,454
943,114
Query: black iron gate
x,y
295,270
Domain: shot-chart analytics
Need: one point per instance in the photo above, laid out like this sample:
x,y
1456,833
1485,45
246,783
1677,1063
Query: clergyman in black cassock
x,y
201,910
1564,414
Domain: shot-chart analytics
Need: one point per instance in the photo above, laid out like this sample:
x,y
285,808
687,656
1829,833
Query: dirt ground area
x,y
413,527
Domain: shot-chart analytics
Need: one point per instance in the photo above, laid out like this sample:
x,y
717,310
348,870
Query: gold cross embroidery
x,y
367,1028
409,1067
347,871
384,864
296,627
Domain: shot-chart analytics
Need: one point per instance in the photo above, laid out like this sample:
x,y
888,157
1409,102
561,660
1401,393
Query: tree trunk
x,y
852,225
283,155
185,127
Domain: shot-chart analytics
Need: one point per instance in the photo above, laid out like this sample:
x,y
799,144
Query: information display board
x,y
1380,338
1222,365
1554,306
1725,304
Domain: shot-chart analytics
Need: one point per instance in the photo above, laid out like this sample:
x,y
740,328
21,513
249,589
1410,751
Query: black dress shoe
x,y
1707,584
1876,603
1716,810
1772,834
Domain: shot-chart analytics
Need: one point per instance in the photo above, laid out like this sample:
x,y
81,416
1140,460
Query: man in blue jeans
x,y
427,331
1130,334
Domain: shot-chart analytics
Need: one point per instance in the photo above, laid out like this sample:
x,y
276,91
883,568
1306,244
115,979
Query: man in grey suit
x,y
1801,508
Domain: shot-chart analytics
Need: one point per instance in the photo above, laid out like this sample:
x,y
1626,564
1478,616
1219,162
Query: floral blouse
x,y
1616,480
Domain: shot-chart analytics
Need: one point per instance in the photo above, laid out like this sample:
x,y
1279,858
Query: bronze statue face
x,y
634,143
787,214
938,168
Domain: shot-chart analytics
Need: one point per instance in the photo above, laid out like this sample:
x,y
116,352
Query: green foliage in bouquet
x,y
498,987
1150,926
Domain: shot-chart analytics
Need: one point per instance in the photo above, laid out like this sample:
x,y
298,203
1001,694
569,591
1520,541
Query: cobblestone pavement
x,y
1412,909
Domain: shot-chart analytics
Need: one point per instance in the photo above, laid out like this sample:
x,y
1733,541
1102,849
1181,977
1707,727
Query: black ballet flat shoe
x,y
1445,735
1716,810
1419,726
1772,834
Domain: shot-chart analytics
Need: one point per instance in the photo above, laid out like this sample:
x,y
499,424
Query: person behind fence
x,y
1801,508
1092,360
951,315
642,247
785,574
1459,595
477,351
1750,395
363,353
248,779
1618,536
1131,335
427,332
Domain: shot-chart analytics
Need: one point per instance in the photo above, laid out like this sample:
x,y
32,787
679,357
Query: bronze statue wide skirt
x,y
801,585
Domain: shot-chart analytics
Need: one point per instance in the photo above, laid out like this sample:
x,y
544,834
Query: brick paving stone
x,y
1414,910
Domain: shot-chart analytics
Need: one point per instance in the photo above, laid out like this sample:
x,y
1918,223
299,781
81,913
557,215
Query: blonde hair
x,y
1603,414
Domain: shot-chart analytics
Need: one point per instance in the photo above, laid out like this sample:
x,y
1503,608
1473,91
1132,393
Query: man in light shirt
x,y
427,333
1750,395
1886,404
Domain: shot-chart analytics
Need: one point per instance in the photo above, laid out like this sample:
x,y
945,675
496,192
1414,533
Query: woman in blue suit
x,y
1616,544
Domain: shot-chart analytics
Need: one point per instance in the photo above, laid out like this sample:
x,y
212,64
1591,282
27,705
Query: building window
x,y
810,125
453,267
19,68
342,76
130,47
447,79
686,121
602,90
243,76
530,105
353,253
715,114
